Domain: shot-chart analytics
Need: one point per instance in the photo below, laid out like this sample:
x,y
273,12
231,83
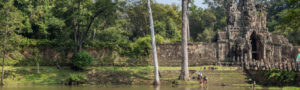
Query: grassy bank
x,y
29,75
130,75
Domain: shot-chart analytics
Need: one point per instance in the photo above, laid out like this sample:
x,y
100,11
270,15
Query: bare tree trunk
x,y
80,46
156,73
79,40
4,52
94,35
188,23
184,67
76,29
188,31
78,34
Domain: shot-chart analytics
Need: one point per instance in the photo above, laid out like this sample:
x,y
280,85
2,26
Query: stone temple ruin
x,y
245,41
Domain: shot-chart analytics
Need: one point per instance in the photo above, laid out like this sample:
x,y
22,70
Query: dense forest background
x,y
119,26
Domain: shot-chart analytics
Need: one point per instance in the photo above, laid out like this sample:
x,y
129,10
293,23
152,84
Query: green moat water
x,y
60,87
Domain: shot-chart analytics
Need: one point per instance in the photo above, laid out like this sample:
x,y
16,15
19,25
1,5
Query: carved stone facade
x,y
249,43
245,41
233,14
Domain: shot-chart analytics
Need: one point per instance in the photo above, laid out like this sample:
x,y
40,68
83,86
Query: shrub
x,y
141,49
106,60
81,59
75,79
114,38
280,77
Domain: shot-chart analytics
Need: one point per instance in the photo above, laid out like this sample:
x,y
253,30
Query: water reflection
x,y
157,87
187,88
118,87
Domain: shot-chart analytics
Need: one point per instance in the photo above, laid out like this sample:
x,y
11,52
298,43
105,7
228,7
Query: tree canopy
x,y
122,26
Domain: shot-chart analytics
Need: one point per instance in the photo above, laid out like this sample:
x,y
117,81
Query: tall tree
x,y
84,20
156,74
289,22
81,15
10,21
4,51
36,56
39,21
167,20
188,24
184,67
205,22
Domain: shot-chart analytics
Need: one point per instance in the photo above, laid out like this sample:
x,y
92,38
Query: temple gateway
x,y
245,41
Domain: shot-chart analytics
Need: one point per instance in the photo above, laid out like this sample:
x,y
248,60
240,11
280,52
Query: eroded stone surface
x,y
199,54
245,41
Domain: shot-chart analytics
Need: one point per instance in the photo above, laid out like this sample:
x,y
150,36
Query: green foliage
x,y
36,56
206,36
273,8
204,22
121,26
16,55
84,16
10,21
39,21
166,20
106,60
141,49
113,38
77,79
109,59
289,22
10,62
143,46
280,77
81,59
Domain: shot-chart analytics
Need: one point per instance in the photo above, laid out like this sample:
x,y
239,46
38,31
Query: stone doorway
x,y
254,42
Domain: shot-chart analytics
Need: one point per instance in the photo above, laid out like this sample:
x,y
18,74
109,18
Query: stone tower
x,y
233,14
247,42
248,13
261,21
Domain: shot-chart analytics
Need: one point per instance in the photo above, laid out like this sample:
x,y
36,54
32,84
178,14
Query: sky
x,y
178,2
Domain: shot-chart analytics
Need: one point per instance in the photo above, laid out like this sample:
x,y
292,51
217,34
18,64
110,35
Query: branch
x,y
91,23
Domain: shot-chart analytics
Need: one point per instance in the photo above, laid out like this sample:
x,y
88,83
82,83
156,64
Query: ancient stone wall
x,y
199,54
277,57
249,43
223,51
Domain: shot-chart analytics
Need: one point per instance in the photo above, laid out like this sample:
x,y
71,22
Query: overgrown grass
x,y
29,75
52,75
